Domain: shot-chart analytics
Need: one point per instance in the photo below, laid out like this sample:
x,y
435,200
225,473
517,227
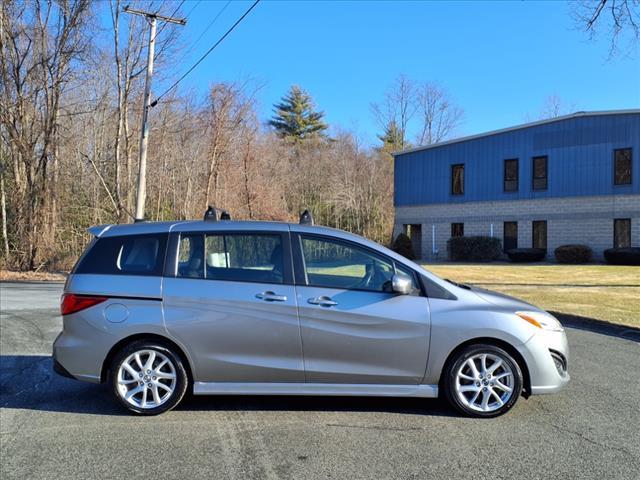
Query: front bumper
x,y
544,374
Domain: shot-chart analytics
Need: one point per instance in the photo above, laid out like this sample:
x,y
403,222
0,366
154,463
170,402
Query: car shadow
x,y
29,382
598,326
294,403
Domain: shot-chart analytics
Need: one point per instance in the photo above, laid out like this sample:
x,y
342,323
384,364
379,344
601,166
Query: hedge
x,y
474,249
573,254
526,254
402,245
623,256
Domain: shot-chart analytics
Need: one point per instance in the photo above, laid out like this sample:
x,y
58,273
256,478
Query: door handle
x,y
271,297
323,301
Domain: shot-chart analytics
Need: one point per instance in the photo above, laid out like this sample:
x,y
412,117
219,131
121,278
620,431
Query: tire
x,y
499,381
159,385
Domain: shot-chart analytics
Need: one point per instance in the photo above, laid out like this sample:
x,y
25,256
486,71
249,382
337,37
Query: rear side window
x,y
232,257
125,255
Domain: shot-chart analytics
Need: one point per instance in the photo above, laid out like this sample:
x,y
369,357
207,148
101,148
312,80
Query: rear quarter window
x,y
125,255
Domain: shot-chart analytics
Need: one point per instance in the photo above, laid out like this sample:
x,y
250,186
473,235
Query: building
x,y
571,179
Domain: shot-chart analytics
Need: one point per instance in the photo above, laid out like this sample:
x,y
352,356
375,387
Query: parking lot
x,y
53,427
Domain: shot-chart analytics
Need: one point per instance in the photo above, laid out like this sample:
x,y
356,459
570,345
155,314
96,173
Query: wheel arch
x,y
149,337
506,346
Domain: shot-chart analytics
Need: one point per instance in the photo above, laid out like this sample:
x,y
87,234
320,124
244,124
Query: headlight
x,y
541,320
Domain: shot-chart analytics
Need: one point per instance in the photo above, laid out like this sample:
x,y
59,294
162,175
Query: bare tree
x,y
398,107
40,41
69,100
439,116
620,19
229,109
552,107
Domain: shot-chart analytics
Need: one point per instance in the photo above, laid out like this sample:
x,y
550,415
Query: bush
x,y
526,254
623,256
573,254
403,246
474,249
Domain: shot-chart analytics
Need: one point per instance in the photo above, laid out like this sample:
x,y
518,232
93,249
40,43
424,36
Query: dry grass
x,y
601,292
10,276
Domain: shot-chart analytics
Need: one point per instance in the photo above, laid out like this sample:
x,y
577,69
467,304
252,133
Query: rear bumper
x,y
60,370
76,359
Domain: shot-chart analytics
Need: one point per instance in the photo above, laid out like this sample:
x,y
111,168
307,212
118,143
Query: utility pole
x,y
144,130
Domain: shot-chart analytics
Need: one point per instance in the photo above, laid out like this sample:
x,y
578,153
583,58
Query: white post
x,y
491,234
433,239
144,137
144,130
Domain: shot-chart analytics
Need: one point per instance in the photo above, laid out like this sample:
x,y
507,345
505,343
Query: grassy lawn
x,y
602,292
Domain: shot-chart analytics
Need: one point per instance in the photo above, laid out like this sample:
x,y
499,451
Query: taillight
x,y
72,303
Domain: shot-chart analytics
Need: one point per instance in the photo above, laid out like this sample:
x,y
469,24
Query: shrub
x,y
403,246
573,254
474,249
623,256
526,254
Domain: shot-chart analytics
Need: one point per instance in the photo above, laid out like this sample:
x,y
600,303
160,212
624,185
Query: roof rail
x,y
306,218
211,214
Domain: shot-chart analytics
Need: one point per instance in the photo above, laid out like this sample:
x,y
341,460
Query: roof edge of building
x,y
518,127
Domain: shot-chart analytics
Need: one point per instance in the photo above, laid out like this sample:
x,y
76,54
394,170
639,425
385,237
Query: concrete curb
x,y
598,326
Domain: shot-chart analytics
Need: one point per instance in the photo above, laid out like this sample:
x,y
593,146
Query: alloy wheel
x,y
484,382
146,379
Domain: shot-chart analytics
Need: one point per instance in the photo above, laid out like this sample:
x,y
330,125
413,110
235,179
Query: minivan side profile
x,y
156,309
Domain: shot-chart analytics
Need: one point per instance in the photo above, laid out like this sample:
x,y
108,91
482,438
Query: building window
x,y
457,229
622,166
540,234
457,179
510,235
540,173
621,232
511,175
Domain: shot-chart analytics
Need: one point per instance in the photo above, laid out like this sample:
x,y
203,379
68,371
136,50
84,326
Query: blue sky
x,y
498,60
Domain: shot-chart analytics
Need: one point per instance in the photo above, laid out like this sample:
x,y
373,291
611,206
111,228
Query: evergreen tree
x,y
295,118
392,138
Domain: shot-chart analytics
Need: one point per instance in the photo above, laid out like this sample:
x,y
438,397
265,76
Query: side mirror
x,y
401,284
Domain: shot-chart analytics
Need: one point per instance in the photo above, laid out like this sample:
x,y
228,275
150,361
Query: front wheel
x,y
148,378
483,381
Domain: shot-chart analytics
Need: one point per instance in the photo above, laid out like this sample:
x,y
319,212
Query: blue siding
x,y
580,153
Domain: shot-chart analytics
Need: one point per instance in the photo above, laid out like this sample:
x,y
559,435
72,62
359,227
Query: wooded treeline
x,y
70,107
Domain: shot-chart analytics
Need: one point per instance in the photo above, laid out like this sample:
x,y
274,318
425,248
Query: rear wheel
x,y
148,378
483,381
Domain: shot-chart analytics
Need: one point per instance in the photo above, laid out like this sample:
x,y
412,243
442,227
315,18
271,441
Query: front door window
x,y
339,265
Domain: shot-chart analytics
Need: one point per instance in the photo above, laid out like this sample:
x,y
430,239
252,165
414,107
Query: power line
x,y
154,103
192,9
210,24
174,12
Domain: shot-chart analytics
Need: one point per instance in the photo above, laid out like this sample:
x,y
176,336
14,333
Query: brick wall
x,y
584,220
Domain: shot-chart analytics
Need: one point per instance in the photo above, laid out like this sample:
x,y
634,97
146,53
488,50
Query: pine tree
x,y
392,138
295,118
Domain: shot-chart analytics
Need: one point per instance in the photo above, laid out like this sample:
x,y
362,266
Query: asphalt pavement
x,y
53,427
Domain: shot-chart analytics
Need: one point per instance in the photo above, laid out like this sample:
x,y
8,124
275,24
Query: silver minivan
x,y
224,307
